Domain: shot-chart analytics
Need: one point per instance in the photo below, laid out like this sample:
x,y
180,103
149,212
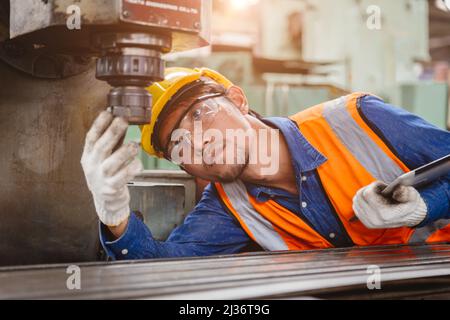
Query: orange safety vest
x,y
356,157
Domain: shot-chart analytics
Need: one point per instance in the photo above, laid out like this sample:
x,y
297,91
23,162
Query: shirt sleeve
x,y
208,230
416,142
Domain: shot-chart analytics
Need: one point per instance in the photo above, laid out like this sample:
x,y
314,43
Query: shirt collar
x,y
304,156
263,194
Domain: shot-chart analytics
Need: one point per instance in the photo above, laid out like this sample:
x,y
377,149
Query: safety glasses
x,y
203,110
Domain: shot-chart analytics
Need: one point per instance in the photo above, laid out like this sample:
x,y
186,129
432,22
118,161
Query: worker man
x,y
317,183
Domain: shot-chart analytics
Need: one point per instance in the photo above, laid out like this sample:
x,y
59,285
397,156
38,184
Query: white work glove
x,y
107,173
405,208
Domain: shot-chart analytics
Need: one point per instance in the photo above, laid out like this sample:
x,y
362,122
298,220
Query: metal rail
x,y
247,276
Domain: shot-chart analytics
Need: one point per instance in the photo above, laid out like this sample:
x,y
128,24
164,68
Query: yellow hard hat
x,y
174,80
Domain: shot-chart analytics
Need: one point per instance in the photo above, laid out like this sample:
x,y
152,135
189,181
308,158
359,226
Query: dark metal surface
x,y
178,177
434,288
131,58
131,103
43,46
50,17
161,205
130,70
246,276
46,210
130,62
40,62
164,198
4,19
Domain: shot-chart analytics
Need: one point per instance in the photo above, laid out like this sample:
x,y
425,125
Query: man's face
x,y
212,140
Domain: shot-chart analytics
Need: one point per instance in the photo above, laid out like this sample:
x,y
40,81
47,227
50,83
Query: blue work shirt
x,y
210,230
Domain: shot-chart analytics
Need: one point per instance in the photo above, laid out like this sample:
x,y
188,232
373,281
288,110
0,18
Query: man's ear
x,y
237,96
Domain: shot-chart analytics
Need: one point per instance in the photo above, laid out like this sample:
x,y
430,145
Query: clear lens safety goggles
x,y
204,109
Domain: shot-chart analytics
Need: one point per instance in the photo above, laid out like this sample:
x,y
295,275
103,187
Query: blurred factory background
x,y
291,54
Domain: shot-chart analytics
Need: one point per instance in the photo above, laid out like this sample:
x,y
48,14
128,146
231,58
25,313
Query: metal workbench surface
x,y
245,276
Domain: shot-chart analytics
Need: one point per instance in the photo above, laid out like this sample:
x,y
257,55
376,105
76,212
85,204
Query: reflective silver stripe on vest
x,y
263,231
420,235
360,145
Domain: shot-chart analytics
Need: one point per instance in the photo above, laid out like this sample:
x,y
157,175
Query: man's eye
x,y
176,143
196,115
179,141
